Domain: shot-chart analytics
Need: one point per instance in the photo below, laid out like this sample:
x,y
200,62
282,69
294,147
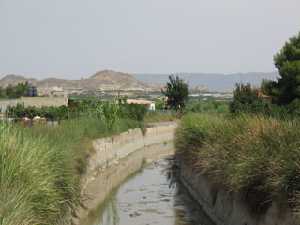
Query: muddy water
x,y
148,199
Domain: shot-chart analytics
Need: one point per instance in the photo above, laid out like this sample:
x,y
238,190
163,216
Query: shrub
x,y
49,112
133,111
209,106
246,100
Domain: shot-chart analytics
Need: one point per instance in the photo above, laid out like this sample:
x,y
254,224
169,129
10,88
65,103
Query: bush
x,y
246,100
209,106
133,111
160,116
110,111
49,112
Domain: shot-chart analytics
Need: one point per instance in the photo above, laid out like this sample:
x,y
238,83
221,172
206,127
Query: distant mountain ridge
x,y
103,80
111,80
212,81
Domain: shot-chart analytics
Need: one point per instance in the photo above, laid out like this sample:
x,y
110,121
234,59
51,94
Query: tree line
x,y
15,91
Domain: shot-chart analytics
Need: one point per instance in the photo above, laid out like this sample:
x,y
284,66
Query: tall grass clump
x,y
40,168
37,182
255,156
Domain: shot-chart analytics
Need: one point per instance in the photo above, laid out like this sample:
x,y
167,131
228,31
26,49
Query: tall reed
x,y
40,168
245,154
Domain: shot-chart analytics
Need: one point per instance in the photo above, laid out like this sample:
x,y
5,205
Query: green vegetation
x,y
249,100
17,91
41,168
49,112
41,165
176,92
207,106
254,150
157,116
251,155
286,89
246,99
105,110
279,98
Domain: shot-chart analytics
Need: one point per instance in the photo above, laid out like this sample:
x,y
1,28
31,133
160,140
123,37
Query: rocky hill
x,y
111,80
12,79
103,80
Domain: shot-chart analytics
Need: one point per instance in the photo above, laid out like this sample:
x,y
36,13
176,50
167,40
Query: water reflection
x,y
148,199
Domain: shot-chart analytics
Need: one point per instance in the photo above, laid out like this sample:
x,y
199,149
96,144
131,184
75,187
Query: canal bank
x,y
228,208
115,158
242,170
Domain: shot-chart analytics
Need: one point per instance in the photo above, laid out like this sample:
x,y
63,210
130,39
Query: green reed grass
x,y
245,154
40,169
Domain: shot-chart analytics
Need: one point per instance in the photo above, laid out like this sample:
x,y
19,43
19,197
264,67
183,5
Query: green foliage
x,y
21,89
160,116
109,111
246,100
246,154
160,104
133,111
41,167
177,92
287,61
49,112
208,106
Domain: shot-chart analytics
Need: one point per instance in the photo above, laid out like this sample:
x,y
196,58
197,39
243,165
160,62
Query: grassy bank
x,y
256,156
41,167
155,117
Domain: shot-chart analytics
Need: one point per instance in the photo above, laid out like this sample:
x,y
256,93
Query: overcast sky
x,y
75,38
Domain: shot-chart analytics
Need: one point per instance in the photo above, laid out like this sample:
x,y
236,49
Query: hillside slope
x,y
103,80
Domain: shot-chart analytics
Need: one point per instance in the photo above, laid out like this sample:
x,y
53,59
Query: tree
x,y
2,92
10,91
177,92
287,88
21,89
246,100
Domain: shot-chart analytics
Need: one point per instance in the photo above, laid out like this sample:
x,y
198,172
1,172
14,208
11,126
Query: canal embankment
x,y
41,167
224,207
243,170
115,158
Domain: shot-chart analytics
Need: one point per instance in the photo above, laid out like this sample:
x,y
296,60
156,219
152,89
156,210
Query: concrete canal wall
x,y
116,158
226,208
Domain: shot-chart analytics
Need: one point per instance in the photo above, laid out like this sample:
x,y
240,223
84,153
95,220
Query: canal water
x,y
148,198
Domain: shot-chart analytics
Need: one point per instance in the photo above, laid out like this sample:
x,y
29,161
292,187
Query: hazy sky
x,y
75,38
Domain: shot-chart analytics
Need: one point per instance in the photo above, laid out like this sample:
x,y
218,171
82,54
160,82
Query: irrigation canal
x,y
147,198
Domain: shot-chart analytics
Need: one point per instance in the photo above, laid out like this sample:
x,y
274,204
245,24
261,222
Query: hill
x,y
111,80
103,80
